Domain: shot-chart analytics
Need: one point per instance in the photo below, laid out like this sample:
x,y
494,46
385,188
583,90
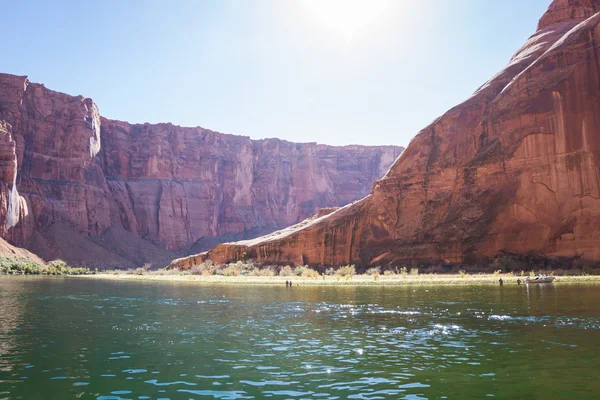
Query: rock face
x,y
176,185
94,191
514,168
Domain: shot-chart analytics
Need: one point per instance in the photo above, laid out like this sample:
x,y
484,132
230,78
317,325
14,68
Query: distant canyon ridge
x,y
515,168
98,192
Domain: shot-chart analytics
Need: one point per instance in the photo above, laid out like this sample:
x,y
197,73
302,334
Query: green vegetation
x,y
503,265
506,266
346,271
24,266
238,269
286,271
310,274
263,276
299,270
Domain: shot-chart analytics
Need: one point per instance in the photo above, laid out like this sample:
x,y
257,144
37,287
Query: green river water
x,y
69,338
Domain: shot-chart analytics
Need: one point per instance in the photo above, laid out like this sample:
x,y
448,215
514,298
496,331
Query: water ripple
x,y
247,342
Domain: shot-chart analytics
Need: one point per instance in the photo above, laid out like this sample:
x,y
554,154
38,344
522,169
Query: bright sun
x,y
346,17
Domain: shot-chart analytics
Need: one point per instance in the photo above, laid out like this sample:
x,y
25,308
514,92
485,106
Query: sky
x,y
338,72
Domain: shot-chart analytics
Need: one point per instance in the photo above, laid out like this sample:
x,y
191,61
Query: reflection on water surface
x,y
74,338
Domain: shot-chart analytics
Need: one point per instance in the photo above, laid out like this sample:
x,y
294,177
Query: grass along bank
x,y
505,268
249,273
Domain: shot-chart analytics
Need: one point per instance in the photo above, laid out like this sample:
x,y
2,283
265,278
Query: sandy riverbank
x,y
359,280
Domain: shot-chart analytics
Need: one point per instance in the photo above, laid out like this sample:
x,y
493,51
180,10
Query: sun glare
x,y
346,18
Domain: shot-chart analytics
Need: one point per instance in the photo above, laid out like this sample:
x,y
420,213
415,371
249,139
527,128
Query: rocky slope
x,y
93,191
9,252
515,168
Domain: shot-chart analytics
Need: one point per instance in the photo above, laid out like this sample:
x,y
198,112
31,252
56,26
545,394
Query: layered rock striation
x,y
95,191
514,168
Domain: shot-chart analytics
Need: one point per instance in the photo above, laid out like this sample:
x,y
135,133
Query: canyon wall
x,y
514,168
99,192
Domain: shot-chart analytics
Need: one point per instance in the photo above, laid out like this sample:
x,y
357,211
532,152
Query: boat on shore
x,y
540,279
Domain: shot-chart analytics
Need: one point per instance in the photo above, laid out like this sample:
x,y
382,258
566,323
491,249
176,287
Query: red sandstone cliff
x,y
515,168
94,191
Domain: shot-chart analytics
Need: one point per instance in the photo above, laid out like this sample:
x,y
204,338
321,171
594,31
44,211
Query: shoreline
x,y
357,280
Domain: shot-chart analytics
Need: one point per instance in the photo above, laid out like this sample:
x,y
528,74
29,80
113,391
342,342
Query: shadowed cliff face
x,y
515,167
94,191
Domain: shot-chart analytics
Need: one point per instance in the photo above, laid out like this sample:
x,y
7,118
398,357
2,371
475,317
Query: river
x,y
79,338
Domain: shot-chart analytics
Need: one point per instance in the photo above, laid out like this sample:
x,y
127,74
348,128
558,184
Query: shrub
x,y
196,270
330,271
78,271
232,270
414,271
206,268
310,273
57,267
245,268
373,271
299,270
286,271
30,269
25,266
347,270
267,271
235,269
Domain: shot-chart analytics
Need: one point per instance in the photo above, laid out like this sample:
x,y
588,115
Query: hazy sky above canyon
x,y
372,72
